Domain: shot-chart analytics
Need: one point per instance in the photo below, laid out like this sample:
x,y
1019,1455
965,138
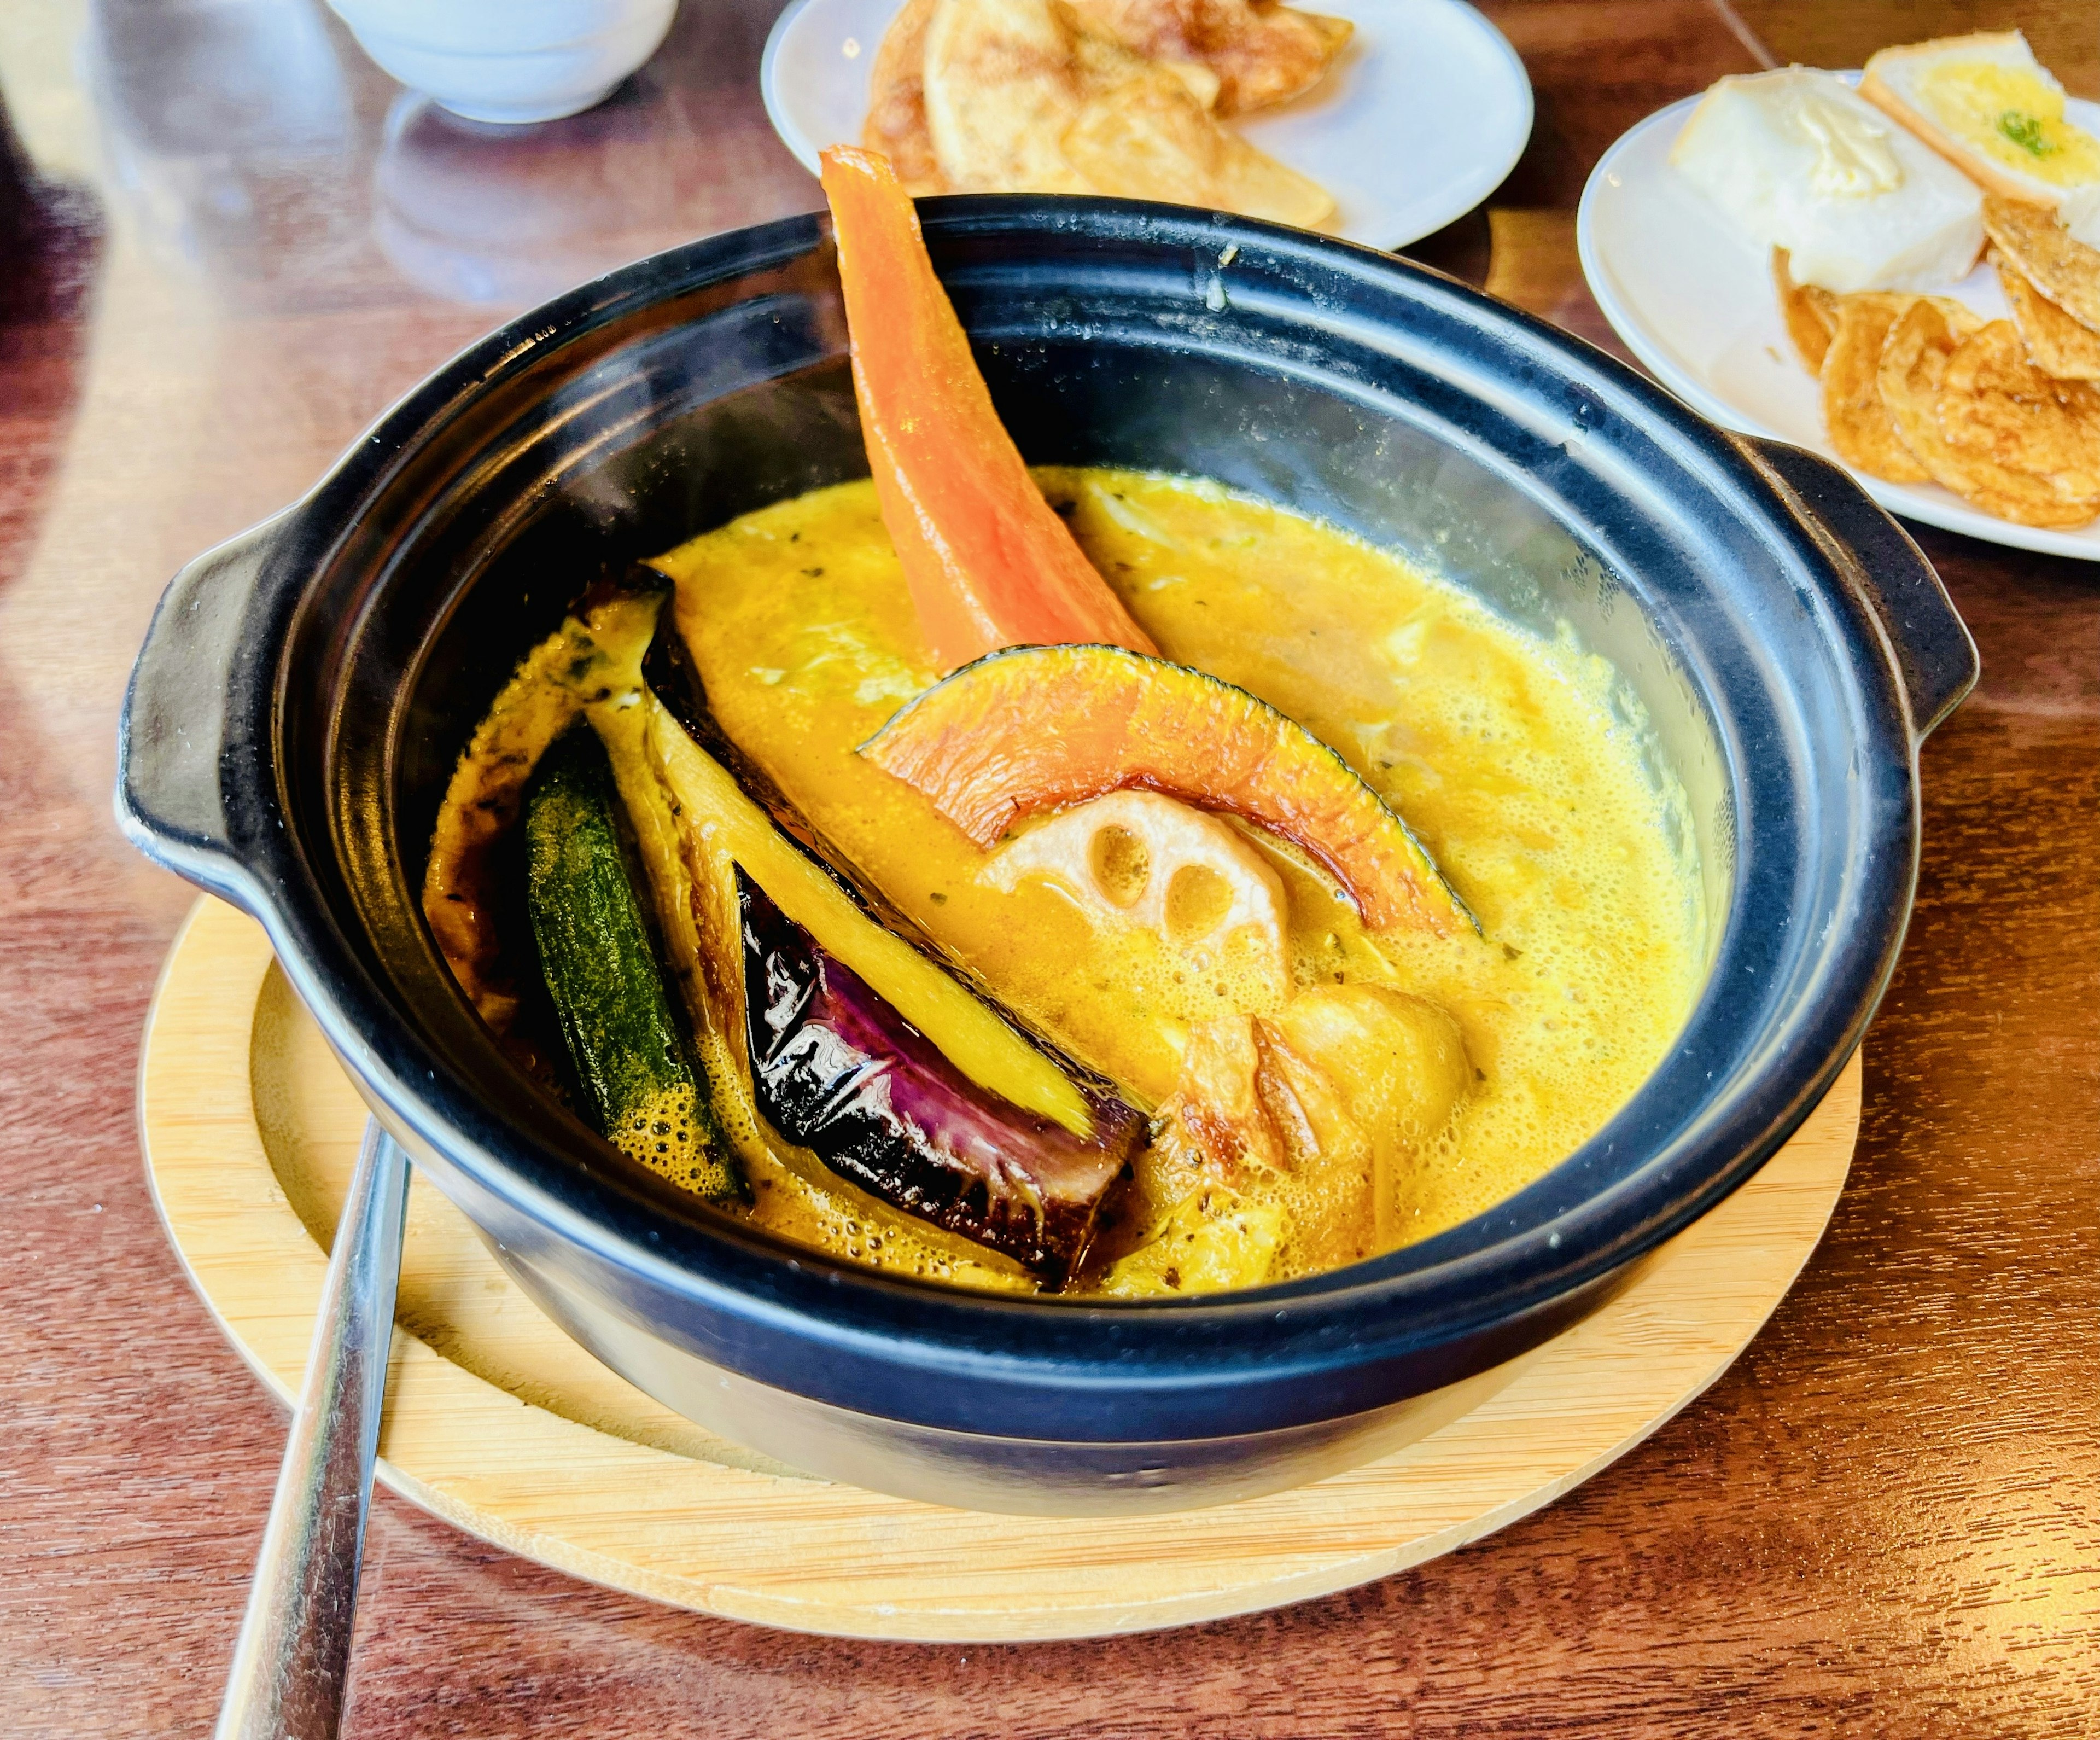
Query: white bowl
x,y
509,60
1426,111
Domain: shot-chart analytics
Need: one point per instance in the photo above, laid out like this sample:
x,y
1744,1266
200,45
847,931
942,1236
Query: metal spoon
x,y
292,1658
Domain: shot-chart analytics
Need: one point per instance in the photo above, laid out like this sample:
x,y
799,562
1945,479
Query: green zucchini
x,y
637,1075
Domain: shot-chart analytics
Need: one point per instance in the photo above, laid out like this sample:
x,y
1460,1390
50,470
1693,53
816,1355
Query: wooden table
x,y
227,241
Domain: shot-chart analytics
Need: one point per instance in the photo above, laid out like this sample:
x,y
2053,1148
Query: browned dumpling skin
x,y
1261,54
896,124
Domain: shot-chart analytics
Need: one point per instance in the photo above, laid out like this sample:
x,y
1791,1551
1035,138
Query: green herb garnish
x,y
2024,130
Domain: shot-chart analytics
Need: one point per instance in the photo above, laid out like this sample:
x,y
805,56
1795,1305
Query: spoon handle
x,y
293,1658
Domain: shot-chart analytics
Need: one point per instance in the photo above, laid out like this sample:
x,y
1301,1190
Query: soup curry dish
x,y
1082,880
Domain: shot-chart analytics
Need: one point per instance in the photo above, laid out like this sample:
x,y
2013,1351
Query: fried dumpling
x,y
896,124
1149,139
1001,88
1019,99
1260,53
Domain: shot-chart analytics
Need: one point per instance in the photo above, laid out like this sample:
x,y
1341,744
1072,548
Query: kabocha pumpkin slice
x,y
1036,728
631,1060
839,1071
989,562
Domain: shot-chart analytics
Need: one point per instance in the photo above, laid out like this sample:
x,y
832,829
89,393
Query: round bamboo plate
x,y
500,1424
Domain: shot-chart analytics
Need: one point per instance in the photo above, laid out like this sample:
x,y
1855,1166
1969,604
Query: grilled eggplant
x,y
838,1069
888,1067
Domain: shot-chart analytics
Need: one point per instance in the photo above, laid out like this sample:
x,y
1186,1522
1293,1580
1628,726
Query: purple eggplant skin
x,y
838,1071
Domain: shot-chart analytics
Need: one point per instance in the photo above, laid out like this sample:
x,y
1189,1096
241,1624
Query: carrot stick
x,y
989,562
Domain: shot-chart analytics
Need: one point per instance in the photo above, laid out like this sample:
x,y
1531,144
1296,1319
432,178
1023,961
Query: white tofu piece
x,y
1796,159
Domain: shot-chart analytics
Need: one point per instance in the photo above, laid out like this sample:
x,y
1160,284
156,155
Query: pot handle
x,y
173,737
1934,654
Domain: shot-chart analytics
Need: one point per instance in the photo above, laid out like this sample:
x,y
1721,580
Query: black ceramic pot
x,y
1781,646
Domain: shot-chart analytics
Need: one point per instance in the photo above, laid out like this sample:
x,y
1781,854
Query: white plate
x,y
1424,113
1694,301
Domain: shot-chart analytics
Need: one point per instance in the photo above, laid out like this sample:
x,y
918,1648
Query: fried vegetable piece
x,y
839,1071
1913,377
988,561
631,1061
1853,411
1810,311
1995,402
1036,728
1260,54
2056,344
2063,268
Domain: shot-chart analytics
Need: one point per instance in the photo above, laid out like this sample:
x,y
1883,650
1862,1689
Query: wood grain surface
x,y
496,1421
225,246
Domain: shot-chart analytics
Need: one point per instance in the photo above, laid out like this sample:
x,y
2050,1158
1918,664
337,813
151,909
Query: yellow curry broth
x,y
1499,750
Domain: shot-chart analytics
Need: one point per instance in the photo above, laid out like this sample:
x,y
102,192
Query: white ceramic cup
x,y
509,60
